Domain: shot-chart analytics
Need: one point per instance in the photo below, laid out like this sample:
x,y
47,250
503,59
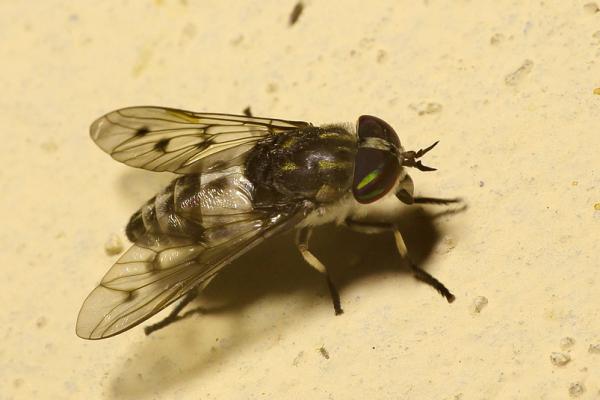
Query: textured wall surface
x,y
511,90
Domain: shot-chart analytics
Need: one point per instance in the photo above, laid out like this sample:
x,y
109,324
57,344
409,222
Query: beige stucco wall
x,y
511,86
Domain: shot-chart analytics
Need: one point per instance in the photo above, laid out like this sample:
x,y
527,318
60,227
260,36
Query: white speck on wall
x,y
567,343
478,304
559,359
594,349
113,245
576,389
516,77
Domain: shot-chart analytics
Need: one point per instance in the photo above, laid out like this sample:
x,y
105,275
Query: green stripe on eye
x,y
368,179
372,194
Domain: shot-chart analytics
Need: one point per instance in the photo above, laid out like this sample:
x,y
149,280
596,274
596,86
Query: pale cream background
x,y
524,153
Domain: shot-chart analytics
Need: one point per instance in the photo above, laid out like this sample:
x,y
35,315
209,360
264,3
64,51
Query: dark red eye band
x,y
373,127
376,168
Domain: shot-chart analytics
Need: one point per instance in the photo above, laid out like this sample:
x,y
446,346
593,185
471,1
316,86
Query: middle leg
x,y
302,238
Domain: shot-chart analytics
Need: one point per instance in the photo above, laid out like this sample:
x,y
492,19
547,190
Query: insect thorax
x,y
314,163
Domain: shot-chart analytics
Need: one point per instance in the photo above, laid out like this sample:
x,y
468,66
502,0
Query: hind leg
x,y
174,314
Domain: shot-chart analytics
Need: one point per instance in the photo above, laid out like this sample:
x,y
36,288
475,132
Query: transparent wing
x,y
167,139
158,269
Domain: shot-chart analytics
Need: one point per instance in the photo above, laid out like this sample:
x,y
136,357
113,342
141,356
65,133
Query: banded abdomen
x,y
192,204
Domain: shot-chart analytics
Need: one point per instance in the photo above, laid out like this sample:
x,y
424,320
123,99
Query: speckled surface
x,y
510,89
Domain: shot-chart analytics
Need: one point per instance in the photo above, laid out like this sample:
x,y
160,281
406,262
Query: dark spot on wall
x,y
296,12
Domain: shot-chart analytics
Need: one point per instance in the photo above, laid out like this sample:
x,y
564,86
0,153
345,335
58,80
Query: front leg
x,y
407,198
418,272
405,193
302,238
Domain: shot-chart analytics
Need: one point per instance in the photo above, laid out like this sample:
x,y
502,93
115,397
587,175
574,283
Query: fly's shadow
x,y
274,272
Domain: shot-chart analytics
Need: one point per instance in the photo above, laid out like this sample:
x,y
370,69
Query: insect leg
x,y
302,238
408,198
435,200
418,272
405,193
174,314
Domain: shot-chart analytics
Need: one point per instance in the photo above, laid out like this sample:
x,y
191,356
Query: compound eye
x,y
375,174
370,126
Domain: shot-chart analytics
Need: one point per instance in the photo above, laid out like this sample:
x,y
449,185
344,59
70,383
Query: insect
x,y
242,180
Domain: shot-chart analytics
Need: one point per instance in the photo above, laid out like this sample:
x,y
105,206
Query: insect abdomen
x,y
135,227
162,212
193,203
